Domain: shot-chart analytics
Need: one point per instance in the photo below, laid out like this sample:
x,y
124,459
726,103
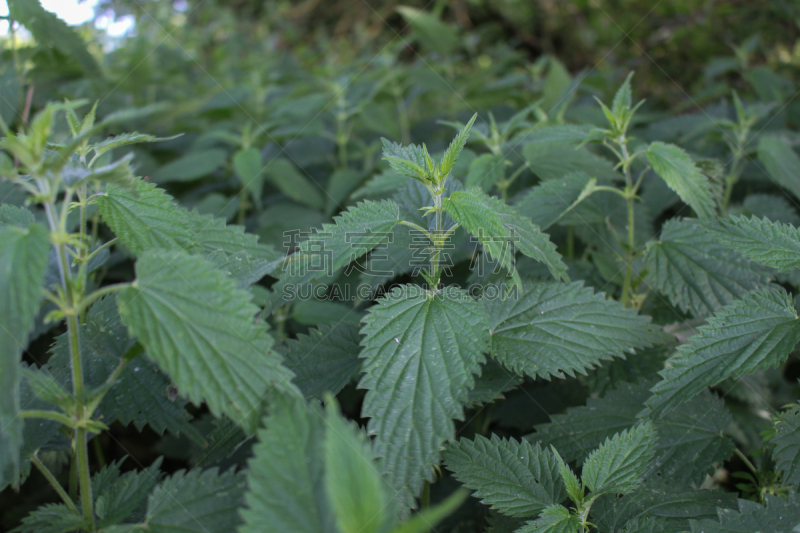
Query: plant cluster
x,y
581,309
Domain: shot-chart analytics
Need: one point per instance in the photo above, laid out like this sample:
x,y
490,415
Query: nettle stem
x,y
630,193
73,296
437,236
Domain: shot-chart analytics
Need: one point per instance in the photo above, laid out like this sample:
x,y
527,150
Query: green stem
x,y
82,454
54,482
438,240
99,293
746,461
50,415
630,193
426,497
99,249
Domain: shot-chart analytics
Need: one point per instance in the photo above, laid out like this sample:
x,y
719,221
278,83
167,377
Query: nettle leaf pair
x,y
525,481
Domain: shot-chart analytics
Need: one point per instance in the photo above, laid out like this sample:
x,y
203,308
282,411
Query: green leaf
x,y
696,272
286,487
756,332
295,184
557,83
118,172
200,329
622,99
774,207
23,263
354,485
50,518
512,477
546,203
433,34
52,32
779,516
485,171
554,519
191,166
409,161
497,225
198,501
124,499
11,215
429,518
618,465
451,154
690,441
145,218
555,329
571,482
768,243
232,250
12,95
555,159
141,394
353,233
671,504
781,162
786,442
126,139
421,350
247,165
680,173
325,359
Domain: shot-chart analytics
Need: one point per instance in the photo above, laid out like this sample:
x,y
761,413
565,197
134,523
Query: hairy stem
x,y
630,193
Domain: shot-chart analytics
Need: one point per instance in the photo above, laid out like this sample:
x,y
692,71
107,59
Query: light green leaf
x,y
198,501
451,154
768,243
499,228
779,516
421,351
191,166
512,477
756,332
678,170
618,465
781,161
786,442
247,165
52,32
11,215
118,172
286,488
555,329
126,139
145,218
357,492
622,99
554,519
325,359
294,184
696,272
410,161
23,263
51,518
353,233
199,328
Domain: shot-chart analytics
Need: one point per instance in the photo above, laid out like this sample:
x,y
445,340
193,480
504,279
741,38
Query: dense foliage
x,y
250,284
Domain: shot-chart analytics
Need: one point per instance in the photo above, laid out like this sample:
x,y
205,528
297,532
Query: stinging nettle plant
x,y
185,330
